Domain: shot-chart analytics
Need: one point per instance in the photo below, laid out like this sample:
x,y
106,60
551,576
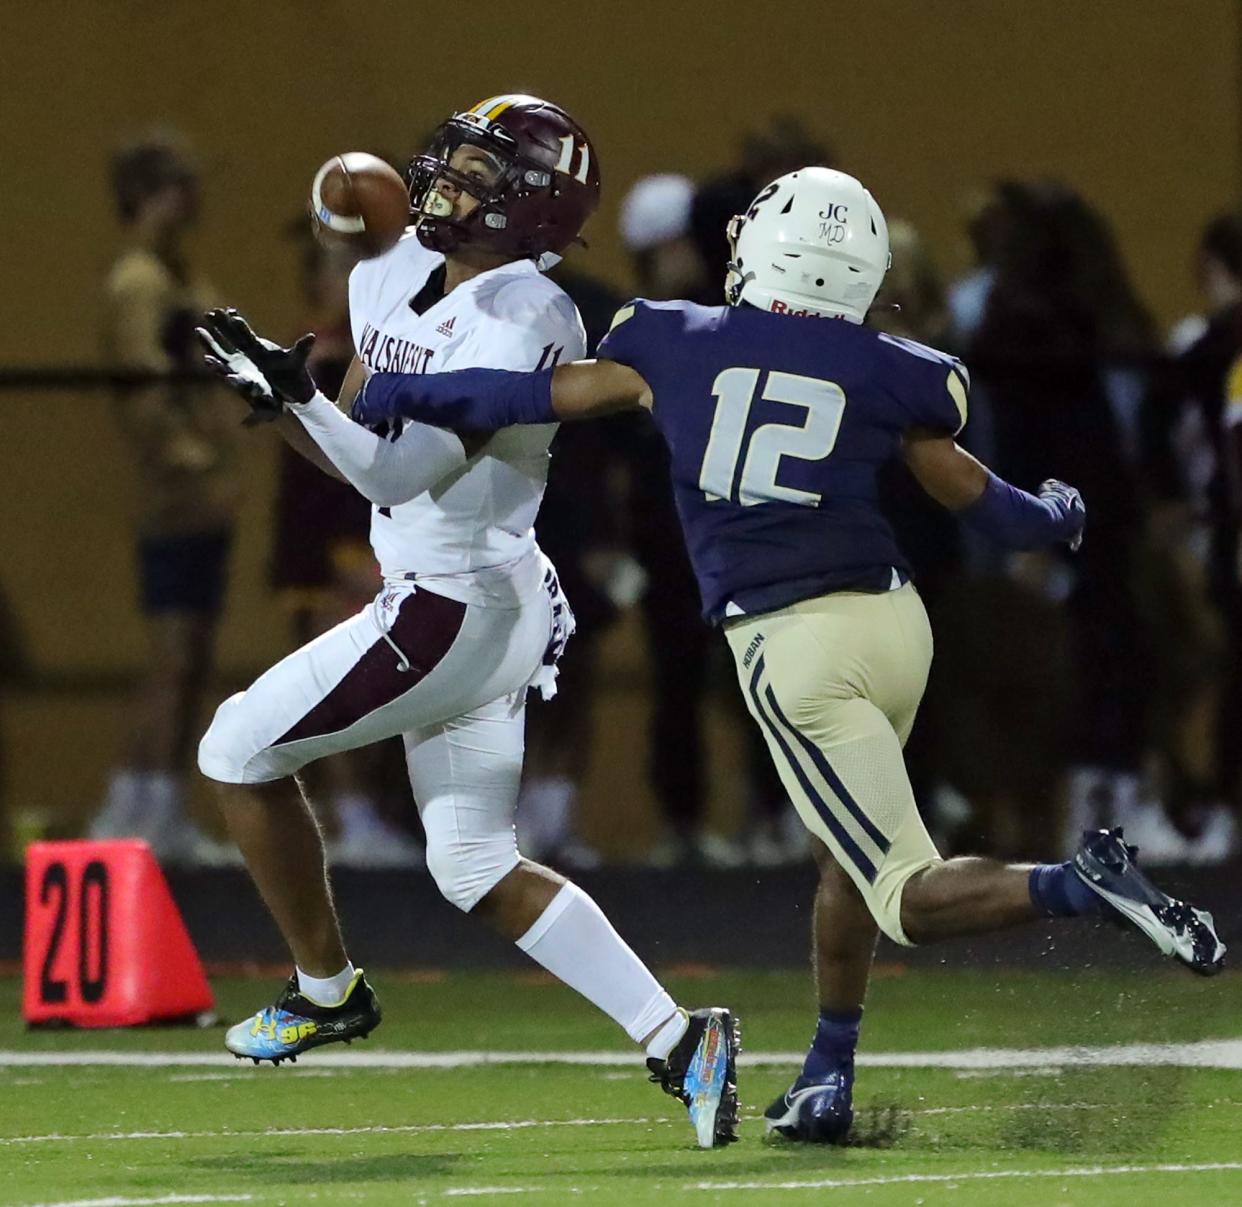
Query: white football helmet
x,y
813,242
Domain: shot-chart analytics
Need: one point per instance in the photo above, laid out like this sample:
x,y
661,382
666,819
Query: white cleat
x,y
1105,864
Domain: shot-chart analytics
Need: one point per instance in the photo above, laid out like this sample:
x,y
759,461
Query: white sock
x,y
575,942
327,990
669,1036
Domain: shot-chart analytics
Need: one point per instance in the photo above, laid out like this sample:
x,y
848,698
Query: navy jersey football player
x,y
778,419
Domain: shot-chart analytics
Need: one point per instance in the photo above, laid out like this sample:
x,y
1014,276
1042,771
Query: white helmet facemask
x,y
813,242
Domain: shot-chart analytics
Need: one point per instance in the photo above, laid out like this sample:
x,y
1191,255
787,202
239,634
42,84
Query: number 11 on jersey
x,y
812,440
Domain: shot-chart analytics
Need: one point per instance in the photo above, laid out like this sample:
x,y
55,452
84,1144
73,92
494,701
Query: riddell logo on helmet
x,y
779,307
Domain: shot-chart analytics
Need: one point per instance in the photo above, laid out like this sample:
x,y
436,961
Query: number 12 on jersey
x,y
812,440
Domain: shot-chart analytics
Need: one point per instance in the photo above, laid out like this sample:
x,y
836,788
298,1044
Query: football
x,y
359,202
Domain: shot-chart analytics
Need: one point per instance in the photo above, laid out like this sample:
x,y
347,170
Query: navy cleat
x,y
701,1071
1105,864
295,1024
819,1110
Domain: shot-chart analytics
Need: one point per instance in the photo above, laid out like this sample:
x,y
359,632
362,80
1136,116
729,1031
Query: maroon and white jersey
x,y
471,536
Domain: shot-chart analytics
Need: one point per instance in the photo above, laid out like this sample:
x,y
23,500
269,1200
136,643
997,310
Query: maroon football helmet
x,y
546,189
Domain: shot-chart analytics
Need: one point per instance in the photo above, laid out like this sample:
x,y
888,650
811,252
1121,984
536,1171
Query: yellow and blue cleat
x,y
295,1024
701,1071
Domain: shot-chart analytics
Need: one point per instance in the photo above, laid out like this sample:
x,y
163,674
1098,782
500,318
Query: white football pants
x,y
450,677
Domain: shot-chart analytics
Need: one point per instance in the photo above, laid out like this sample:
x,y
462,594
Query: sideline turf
x,y
940,1123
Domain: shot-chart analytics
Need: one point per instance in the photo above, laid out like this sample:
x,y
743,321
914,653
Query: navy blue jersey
x,y
777,427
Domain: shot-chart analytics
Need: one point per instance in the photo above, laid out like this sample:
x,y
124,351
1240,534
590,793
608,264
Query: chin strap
x,y
735,281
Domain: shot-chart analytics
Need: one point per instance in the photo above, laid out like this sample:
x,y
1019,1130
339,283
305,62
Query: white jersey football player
x,y
470,616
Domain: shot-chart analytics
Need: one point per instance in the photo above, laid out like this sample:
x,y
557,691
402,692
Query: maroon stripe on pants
x,y
425,628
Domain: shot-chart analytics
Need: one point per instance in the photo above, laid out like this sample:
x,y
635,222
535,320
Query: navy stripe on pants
x,y
851,849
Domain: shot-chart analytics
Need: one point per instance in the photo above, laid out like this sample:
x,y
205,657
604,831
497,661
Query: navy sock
x,y
834,1042
1057,892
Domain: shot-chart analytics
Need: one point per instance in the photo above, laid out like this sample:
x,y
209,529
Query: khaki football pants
x,y
834,684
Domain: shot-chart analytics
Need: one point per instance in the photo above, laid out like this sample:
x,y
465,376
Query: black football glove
x,y
266,375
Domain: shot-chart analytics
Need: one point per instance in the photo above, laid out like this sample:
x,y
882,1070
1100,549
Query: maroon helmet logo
x,y
546,185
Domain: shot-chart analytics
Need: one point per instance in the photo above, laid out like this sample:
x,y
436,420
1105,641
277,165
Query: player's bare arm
x,y
591,389
1009,516
944,469
163,434
488,399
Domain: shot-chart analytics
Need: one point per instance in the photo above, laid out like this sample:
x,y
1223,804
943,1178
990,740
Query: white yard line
x,y
505,1125
233,1072
466,1191
988,1108
972,1074
117,1201
1095,1171
1203,1054
337,1059
277,1132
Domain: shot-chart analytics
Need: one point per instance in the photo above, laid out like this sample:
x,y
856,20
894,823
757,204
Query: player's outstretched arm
x,y
487,399
271,378
240,357
1002,512
299,439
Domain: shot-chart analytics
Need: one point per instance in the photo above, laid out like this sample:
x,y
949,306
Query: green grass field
x,y
204,1128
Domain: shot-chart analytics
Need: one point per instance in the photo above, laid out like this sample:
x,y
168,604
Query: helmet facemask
x,y
486,225
735,275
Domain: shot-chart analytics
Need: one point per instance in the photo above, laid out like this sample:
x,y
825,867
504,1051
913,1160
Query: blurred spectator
x,y
966,301
1193,471
15,671
1060,316
967,297
911,304
1218,275
655,224
324,571
911,301
182,440
577,530
655,228
981,783
782,145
